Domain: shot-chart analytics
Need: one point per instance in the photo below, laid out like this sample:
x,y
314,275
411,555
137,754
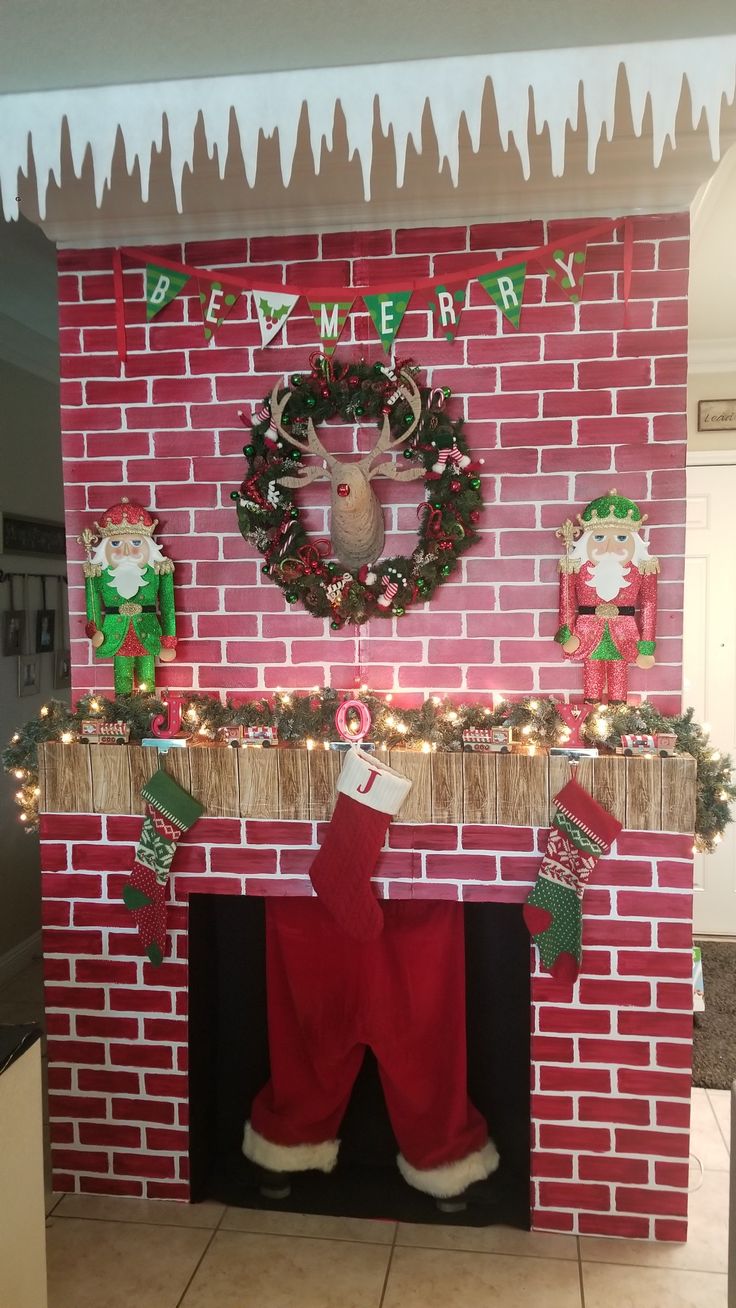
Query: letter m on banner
x,y
330,317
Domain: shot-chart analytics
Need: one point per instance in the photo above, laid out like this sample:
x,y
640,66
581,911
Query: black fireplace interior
x,y
228,1050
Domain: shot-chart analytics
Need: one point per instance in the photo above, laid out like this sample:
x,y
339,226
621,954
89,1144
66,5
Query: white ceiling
x,y
73,43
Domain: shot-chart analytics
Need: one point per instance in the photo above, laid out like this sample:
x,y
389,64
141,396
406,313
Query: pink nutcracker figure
x,y
606,575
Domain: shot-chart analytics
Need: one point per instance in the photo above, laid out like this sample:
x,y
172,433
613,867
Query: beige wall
x,y
709,386
31,485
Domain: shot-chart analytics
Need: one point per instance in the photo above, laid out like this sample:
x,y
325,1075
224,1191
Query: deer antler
x,y
386,442
312,445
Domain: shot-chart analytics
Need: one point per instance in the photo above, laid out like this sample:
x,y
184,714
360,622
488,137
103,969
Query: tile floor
x,y
124,1252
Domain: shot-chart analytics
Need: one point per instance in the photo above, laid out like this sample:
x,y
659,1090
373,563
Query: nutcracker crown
x,y
126,519
612,510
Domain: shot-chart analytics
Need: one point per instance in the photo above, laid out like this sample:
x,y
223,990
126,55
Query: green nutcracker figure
x,y
129,594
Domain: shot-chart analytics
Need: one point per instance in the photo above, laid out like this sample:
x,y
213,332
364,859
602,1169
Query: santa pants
x,y
596,672
401,995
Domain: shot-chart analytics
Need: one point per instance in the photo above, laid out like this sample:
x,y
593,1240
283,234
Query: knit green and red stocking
x,y
170,811
581,831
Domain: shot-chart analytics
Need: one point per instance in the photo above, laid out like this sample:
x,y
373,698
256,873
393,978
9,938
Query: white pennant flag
x,y
273,308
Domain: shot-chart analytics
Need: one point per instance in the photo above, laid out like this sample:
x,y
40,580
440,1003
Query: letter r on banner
x,y
507,292
446,309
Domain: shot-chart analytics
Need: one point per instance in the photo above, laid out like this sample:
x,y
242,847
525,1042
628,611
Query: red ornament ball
x,y
455,486
325,392
343,489
353,381
475,516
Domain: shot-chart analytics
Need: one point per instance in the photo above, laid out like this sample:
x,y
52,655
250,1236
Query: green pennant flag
x,y
330,317
447,304
216,304
567,270
387,311
162,286
506,288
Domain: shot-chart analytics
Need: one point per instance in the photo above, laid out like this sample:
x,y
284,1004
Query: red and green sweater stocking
x,y
170,811
581,831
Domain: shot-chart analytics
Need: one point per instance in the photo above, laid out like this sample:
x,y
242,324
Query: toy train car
x,y
240,737
662,743
488,740
93,731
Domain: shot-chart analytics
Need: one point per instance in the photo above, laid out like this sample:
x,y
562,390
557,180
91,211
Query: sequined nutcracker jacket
x,y
628,637
109,613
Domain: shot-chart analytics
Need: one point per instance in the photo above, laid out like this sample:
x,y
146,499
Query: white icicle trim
x,y
289,1158
452,87
451,1179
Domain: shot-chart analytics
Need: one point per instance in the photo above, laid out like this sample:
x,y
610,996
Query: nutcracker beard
x,y
126,577
608,576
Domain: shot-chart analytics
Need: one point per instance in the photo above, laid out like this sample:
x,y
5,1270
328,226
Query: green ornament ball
x,y
293,514
335,626
445,569
295,455
446,392
311,401
408,454
422,586
408,419
358,410
296,379
249,450
234,495
291,596
265,569
377,369
399,611
475,483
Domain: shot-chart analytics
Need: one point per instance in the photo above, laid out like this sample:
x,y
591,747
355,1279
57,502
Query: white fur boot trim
x,y
452,1178
289,1158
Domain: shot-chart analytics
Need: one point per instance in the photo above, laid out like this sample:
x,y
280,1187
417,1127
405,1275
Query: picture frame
x,y
62,669
717,415
40,536
29,674
45,629
14,624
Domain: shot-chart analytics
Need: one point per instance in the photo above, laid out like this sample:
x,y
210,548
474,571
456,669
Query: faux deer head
x,y
356,517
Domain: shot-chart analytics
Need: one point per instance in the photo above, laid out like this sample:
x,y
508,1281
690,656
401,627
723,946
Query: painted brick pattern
x,y
610,1057
559,411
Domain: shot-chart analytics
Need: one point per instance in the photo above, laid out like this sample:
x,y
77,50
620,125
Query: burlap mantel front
x,y
646,794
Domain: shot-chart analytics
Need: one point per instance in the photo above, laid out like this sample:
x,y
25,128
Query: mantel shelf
x,y
645,794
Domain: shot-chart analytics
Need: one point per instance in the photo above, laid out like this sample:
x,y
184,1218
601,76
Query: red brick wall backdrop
x,y
610,1059
560,411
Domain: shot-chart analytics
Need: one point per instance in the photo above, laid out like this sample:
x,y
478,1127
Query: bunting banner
x,y
503,280
330,317
566,268
447,302
162,286
216,303
272,309
387,310
506,288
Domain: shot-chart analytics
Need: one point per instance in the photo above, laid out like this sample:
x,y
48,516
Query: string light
x,y
19,774
310,743
426,747
94,705
66,737
44,711
452,716
15,739
534,705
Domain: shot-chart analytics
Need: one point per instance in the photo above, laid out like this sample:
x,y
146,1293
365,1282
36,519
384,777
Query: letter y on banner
x,y
566,267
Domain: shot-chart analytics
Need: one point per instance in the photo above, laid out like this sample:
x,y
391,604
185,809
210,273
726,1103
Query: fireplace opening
x,y
229,1063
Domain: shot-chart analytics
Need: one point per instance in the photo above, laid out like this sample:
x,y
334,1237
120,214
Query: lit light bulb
x,y
364,687
325,744
498,699
66,737
426,747
602,726
22,817
706,728
37,791
192,715
16,738
717,838
310,743
94,705
527,730
532,750
143,686
533,705
402,728
19,774
487,712
715,755
44,711
19,796
286,699
389,697
436,701
723,796
390,722
452,716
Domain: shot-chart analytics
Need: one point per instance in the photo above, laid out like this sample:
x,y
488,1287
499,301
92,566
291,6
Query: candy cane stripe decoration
x,y
389,594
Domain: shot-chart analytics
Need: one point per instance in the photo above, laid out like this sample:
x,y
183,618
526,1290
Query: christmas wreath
x,y
409,418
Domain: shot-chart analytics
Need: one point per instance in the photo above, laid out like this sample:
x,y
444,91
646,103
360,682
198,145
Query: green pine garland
x,y
269,516
436,724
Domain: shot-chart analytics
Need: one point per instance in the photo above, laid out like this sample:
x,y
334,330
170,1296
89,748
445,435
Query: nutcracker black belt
x,y
608,610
